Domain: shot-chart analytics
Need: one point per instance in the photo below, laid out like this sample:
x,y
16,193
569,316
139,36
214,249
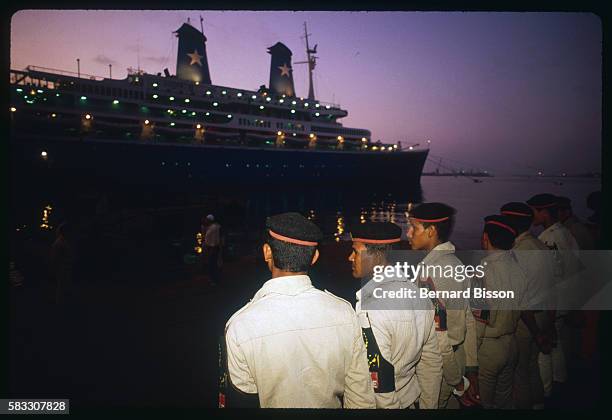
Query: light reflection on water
x,y
343,220
335,212
340,227
377,212
311,216
46,214
198,245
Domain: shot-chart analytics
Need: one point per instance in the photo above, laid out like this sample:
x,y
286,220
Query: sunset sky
x,y
507,92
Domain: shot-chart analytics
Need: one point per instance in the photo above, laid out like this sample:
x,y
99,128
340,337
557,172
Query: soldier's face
x,y
484,241
357,260
417,234
538,217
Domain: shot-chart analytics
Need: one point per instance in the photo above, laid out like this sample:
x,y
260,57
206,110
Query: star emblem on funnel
x,y
195,58
284,69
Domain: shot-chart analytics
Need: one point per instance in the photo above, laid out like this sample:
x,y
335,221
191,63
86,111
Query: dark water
x,y
474,201
176,218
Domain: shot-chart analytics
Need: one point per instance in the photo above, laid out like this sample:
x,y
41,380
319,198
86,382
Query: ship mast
x,y
311,61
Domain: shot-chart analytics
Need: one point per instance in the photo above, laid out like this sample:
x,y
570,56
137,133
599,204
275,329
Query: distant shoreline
x,y
487,175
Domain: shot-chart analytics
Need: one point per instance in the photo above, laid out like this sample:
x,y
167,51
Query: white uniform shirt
x,y
298,347
461,326
406,339
537,264
557,236
566,262
503,272
211,238
581,232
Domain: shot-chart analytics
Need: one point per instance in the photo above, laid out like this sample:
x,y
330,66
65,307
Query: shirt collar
x,y
497,254
286,285
439,250
371,284
552,227
523,236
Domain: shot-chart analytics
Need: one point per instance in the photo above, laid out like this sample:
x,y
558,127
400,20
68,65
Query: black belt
x,y
456,346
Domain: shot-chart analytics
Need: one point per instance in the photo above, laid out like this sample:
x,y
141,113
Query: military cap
x,y
293,228
517,209
432,212
542,201
499,224
376,233
564,202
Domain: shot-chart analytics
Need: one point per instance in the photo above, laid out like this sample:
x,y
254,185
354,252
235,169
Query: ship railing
x,y
131,71
331,104
64,72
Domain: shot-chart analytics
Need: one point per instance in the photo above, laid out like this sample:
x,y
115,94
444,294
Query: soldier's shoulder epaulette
x,y
338,297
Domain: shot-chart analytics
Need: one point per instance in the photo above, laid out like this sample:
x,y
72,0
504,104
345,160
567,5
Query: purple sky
x,y
507,92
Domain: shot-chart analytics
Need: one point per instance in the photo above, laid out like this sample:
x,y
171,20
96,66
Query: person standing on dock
x,y
62,260
534,332
401,341
498,318
292,345
212,247
430,226
558,239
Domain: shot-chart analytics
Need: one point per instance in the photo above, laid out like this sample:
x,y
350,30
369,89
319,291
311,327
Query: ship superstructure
x,y
187,110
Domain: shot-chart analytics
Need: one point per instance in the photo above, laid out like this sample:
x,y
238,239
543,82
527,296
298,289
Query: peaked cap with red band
x,y
516,209
432,212
542,201
293,228
376,233
497,224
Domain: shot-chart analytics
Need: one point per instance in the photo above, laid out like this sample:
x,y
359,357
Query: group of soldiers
x,y
295,346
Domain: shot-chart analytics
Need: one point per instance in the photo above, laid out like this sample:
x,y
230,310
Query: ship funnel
x,y
281,72
191,60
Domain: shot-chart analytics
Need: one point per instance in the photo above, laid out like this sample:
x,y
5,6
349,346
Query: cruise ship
x,y
182,131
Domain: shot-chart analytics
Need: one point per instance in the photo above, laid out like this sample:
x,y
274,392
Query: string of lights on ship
x,y
166,113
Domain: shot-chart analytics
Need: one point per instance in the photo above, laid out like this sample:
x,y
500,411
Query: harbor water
x,y
243,213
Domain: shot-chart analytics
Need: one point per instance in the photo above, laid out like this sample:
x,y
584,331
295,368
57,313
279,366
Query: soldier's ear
x,y
315,257
484,241
431,229
267,252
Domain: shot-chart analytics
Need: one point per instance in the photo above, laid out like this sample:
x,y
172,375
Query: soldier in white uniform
x,y
498,319
292,345
534,332
429,230
557,238
400,335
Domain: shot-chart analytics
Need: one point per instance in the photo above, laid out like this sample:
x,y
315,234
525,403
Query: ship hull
x,y
206,167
